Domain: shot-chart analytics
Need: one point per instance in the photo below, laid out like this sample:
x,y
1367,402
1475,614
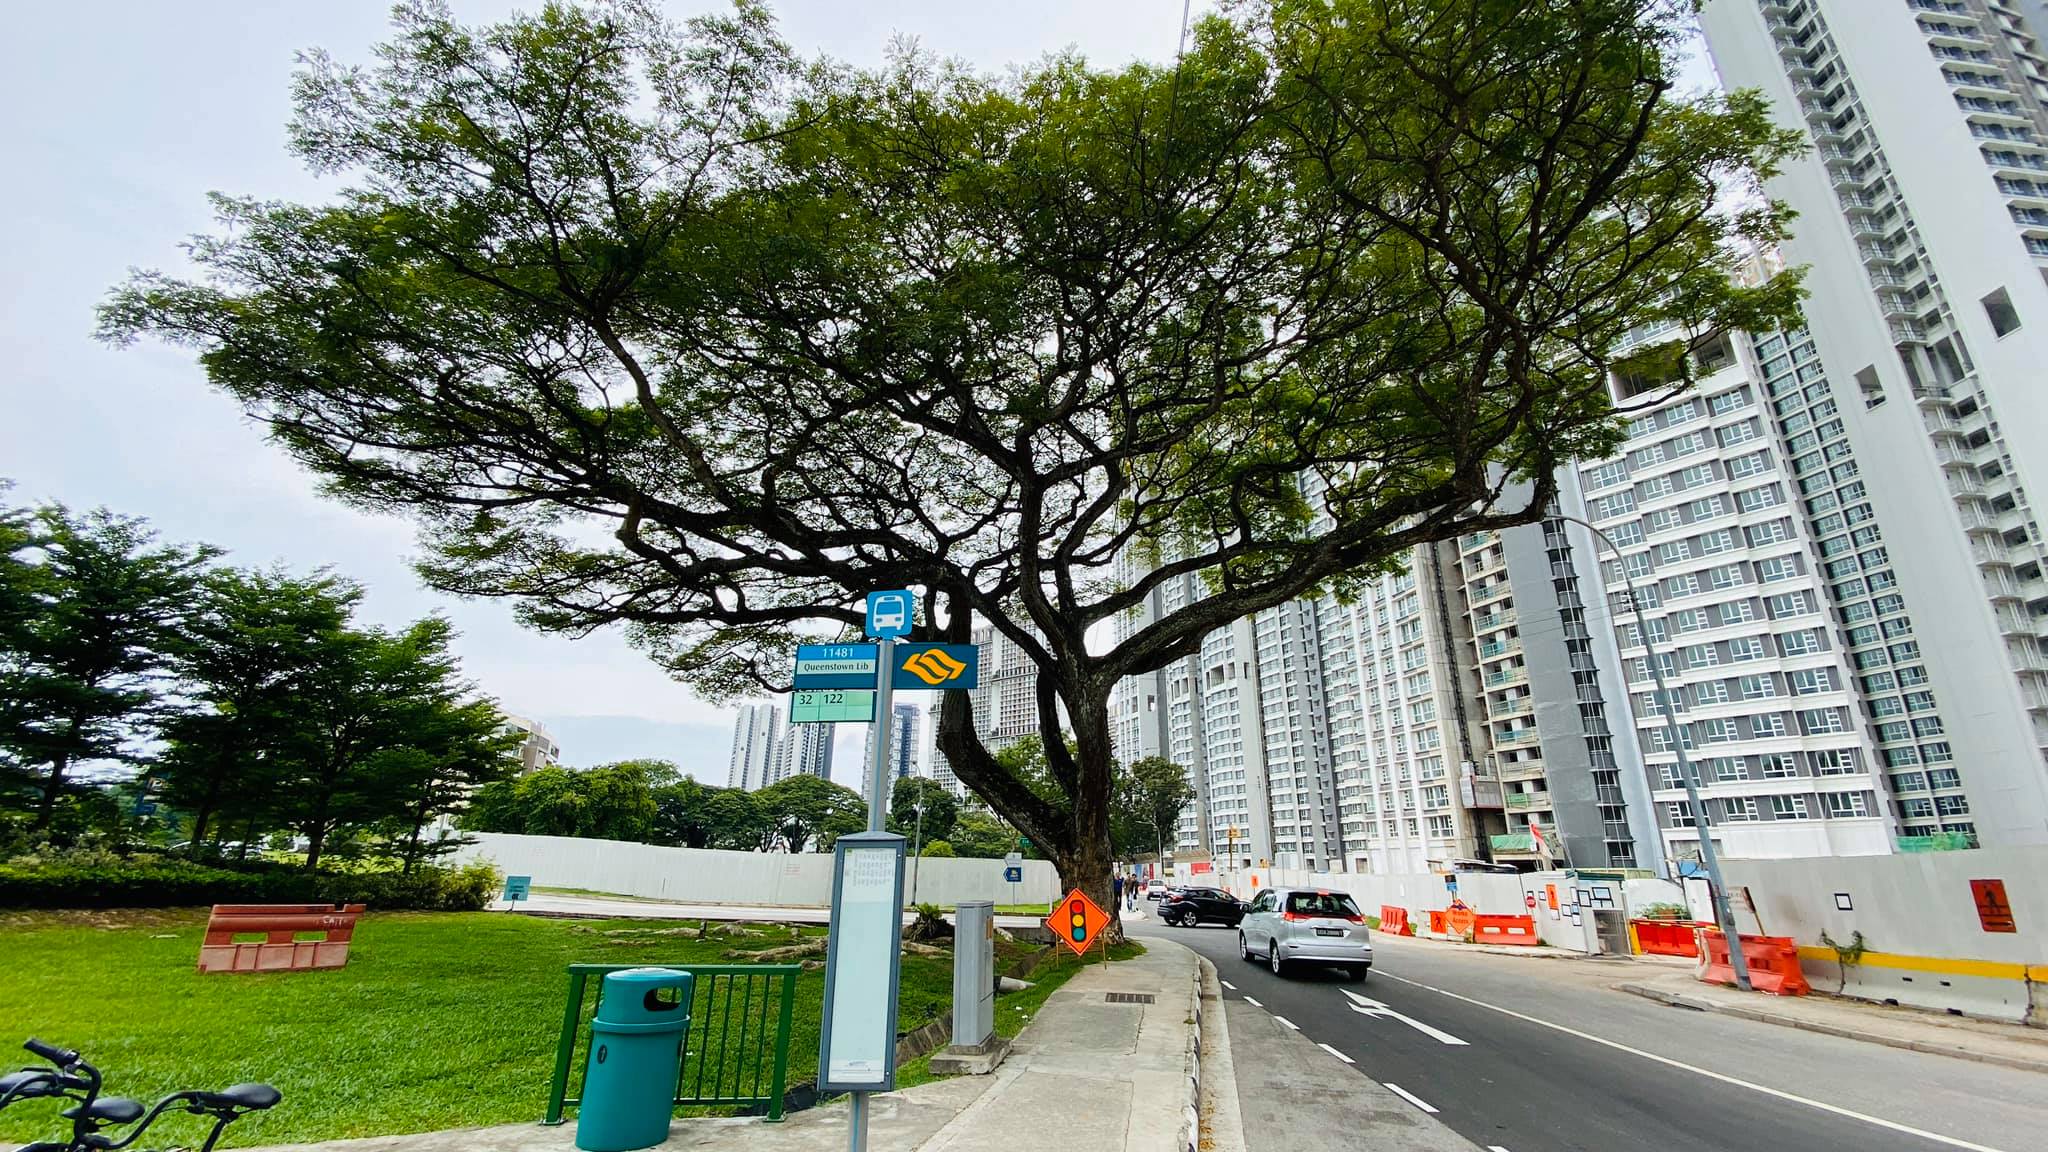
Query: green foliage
x,y
91,631
171,883
1150,795
937,848
804,808
1664,912
940,809
614,802
983,836
1387,247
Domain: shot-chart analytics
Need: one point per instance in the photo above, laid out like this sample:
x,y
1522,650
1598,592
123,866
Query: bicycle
x,y
74,1078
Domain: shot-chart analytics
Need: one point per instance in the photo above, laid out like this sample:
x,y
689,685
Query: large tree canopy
x,y
656,326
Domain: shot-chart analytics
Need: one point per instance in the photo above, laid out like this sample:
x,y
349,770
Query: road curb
x,y
1700,1004
1191,1060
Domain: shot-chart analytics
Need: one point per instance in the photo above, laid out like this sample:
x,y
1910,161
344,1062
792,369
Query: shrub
x,y
938,849
166,883
1663,912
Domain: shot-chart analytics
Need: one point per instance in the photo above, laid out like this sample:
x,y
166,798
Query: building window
x,y
1711,692
1841,805
1759,687
1761,535
1738,810
1740,433
1818,721
1789,807
1808,681
1775,767
1767,724
1715,542
1833,761
1607,475
1952,805
1746,466
1798,643
1999,310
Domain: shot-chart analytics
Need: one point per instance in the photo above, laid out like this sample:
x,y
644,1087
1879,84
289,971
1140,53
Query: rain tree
x,y
658,326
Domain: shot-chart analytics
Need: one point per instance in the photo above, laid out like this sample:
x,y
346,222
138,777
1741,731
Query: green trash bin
x,y
636,1055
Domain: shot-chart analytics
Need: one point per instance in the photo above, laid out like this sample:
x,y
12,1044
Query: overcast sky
x,y
116,118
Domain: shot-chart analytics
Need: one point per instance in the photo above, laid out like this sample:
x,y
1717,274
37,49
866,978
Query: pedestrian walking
x,y
1116,889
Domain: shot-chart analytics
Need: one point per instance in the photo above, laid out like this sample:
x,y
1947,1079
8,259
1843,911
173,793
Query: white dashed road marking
x,y
1337,1054
1253,1003
1229,985
1668,1062
1410,1097
1291,1025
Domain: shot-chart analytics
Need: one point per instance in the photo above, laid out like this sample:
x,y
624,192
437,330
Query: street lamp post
x,y
917,852
1723,913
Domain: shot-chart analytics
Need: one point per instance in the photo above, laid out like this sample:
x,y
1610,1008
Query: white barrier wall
x,y
710,876
1925,943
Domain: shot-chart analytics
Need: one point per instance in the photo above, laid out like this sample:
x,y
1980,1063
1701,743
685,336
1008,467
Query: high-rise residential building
x,y
807,751
1409,780
1703,503
756,747
906,721
1553,712
1005,695
538,748
1923,223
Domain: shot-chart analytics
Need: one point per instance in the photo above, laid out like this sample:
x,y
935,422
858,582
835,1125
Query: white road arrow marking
x,y
1366,1006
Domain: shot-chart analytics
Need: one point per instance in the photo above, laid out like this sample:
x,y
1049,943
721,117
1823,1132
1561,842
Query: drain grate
x,y
1127,997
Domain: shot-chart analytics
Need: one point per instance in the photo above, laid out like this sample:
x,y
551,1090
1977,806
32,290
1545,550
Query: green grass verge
x,y
440,1020
1023,909
1016,1009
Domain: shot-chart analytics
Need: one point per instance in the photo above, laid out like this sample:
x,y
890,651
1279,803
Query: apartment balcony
x,y
1525,801
1513,844
2026,656
2001,584
1964,485
1520,770
1517,706
1478,564
1493,620
1476,541
1518,738
1493,649
1489,593
1500,677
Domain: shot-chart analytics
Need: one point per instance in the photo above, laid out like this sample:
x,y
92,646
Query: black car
x,y
1191,906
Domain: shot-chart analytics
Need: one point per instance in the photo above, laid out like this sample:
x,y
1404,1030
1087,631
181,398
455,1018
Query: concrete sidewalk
x,y
1984,1041
1086,1075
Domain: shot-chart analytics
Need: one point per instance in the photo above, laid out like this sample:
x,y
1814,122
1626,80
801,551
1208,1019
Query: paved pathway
x,y
625,908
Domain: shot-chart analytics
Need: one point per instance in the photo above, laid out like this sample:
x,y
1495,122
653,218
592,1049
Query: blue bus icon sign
x,y
888,615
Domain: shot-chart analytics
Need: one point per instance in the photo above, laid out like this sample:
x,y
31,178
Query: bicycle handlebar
x,y
61,1057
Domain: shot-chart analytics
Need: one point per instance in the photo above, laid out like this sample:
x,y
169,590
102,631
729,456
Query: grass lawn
x,y
440,1020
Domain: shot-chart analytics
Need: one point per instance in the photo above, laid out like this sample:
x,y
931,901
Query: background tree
x,y
241,657
803,807
611,802
983,836
737,821
940,809
451,749
106,606
1151,794
366,693
652,326
681,813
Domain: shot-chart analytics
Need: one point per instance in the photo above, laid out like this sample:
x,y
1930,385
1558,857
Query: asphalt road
x,y
1536,1055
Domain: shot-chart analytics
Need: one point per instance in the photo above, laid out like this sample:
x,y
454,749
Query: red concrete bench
x,y
280,925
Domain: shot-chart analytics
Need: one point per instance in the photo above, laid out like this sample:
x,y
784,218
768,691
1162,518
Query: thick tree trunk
x,y
1089,863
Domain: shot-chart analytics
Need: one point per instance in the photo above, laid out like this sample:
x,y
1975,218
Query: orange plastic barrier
x,y
1773,963
1667,937
1504,930
1394,921
280,924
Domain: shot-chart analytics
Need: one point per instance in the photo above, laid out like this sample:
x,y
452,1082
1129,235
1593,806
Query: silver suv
x,y
1286,926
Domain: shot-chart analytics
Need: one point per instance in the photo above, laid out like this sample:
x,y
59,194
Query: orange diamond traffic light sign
x,y
1076,921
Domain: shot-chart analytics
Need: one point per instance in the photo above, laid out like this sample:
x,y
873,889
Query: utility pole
x,y
1723,913
917,851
